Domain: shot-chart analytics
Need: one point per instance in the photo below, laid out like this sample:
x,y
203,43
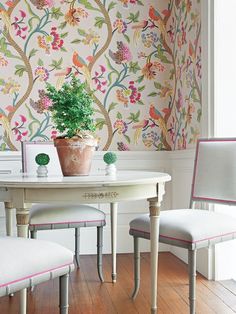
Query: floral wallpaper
x,y
142,59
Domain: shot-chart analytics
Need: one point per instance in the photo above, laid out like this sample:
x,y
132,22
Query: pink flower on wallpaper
x,y
135,94
53,134
120,25
99,79
121,126
122,146
42,73
22,118
57,42
19,129
18,21
42,104
49,3
52,41
129,95
41,4
122,55
127,2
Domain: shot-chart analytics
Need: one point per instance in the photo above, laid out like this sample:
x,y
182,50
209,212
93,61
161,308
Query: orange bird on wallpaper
x,y
157,116
80,63
158,20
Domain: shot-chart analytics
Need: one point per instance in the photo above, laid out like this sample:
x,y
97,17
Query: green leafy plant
x,y
71,108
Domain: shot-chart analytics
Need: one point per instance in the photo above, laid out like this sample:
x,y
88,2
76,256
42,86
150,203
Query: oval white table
x,y
21,191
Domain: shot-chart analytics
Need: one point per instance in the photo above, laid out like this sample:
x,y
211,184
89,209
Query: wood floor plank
x,y
89,296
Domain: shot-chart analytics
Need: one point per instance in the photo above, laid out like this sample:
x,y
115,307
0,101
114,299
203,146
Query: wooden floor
x,y
88,295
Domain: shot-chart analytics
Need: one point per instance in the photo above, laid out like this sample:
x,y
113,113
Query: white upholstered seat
x,y
214,181
60,216
27,262
181,227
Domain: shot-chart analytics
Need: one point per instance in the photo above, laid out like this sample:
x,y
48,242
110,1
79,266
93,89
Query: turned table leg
x,y
9,218
154,210
113,207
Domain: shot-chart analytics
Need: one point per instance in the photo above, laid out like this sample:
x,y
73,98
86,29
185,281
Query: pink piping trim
x,y
65,222
36,274
195,169
213,199
172,238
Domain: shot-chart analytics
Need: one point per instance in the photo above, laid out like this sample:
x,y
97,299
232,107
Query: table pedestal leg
x,y
22,218
113,209
154,210
9,218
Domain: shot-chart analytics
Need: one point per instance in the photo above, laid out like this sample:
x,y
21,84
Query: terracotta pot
x,y
75,155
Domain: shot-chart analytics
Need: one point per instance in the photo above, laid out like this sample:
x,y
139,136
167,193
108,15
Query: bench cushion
x,y
60,216
188,228
27,262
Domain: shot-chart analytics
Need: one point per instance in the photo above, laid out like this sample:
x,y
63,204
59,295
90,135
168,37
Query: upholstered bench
x,y
28,262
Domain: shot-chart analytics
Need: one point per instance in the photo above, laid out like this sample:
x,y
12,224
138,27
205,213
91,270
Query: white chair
x,y
27,262
214,181
60,216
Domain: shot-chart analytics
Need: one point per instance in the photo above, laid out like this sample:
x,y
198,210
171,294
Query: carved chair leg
x,y
136,267
192,280
99,252
77,246
23,301
33,234
64,291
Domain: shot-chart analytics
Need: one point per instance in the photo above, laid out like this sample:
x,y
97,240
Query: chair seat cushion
x,y
189,228
58,216
27,262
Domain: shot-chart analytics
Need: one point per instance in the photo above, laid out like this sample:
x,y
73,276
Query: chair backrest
x,y
31,149
214,178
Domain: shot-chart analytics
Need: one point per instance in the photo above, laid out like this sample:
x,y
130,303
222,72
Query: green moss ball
x,y
110,158
42,159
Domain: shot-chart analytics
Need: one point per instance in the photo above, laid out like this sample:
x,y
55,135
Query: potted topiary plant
x,y
72,115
